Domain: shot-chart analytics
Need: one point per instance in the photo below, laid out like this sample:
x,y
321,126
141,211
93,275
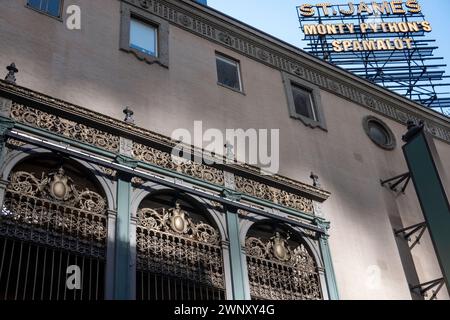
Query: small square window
x,y
303,102
143,37
228,73
50,7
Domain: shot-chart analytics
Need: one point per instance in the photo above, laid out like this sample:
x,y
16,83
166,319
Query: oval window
x,y
379,133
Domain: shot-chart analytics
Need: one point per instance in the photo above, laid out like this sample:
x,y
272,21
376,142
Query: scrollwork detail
x,y
64,127
278,271
91,201
177,222
57,186
170,243
190,168
25,183
55,205
275,195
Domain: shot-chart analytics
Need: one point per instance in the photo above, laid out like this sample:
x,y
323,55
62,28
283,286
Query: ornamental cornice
x,y
237,36
75,122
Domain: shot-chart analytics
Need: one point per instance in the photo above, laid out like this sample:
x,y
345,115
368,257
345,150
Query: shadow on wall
x,y
403,246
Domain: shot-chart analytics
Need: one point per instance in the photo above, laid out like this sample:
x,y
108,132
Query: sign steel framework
x,y
347,36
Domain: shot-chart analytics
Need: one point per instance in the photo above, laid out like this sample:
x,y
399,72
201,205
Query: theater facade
x,y
89,189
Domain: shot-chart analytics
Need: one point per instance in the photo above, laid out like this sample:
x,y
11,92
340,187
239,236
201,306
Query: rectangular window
x,y
143,37
50,7
303,102
228,73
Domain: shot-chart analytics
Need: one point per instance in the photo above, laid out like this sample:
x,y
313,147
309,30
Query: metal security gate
x,y
178,258
280,269
46,226
34,272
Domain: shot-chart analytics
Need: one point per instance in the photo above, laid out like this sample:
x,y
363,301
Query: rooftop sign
x,y
385,42
372,32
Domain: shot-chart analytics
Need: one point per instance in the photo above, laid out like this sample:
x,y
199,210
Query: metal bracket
x,y
394,182
409,231
427,286
422,288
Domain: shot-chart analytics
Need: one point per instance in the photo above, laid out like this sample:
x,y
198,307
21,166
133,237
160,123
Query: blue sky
x,y
279,18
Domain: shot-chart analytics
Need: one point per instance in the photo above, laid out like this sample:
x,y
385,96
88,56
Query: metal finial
x,y
315,179
12,70
129,115
229,151
410,124
413,130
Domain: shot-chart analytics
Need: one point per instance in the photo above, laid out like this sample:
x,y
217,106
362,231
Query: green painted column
x,y
237,271
5,125
428,177
122,268
333,292
330,276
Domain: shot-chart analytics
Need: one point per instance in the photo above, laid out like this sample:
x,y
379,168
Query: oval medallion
x,y
59,190
279,252
179,224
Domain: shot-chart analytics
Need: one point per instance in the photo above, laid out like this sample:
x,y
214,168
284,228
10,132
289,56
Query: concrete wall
x,y
87,68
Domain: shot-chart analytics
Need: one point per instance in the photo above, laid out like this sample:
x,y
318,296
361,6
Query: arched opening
x,y
179,252
280,264
53,232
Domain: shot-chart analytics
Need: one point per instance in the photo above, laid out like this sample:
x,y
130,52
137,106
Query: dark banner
x,y
428,177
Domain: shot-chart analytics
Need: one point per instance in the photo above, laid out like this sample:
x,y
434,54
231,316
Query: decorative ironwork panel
x,y
164,159
81,132
46,225
275,195
13,143
178,258
64,127
279,272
